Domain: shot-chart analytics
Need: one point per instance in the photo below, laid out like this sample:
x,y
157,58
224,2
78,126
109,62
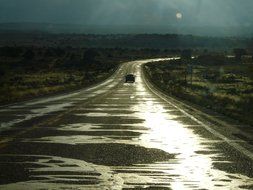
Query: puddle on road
x,y
103,127
108,115
45,172
101,114
81,139
52,108
36,112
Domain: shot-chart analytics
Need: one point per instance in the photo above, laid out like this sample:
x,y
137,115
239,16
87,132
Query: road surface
x,y
120,136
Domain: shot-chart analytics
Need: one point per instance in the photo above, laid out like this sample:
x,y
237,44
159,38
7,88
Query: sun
x,y
179,16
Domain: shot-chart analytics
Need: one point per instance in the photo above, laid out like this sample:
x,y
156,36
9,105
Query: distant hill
x,y
125,41
246,31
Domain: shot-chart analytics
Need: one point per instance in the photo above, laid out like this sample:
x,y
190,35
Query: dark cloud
x,y
129,12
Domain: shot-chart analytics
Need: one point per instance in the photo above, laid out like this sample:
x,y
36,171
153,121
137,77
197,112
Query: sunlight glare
x,y
179,16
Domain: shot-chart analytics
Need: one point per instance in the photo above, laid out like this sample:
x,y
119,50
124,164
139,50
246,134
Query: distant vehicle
x,y
129,78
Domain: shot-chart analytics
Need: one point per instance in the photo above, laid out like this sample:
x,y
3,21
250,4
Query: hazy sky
x,y
129,12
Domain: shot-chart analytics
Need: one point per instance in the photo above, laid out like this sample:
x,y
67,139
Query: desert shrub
x,y
228,78
3,70
246,104
29,54
10,51
199,87
211,59
210,75
239,52
232,91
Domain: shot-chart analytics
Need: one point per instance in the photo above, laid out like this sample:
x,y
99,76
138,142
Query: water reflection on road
x,y
189,169
126,139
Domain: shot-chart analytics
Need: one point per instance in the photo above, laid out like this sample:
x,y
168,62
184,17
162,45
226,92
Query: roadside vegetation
x,y
27,71
212,80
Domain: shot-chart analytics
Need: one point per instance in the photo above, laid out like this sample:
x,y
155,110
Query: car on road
x,y
130,78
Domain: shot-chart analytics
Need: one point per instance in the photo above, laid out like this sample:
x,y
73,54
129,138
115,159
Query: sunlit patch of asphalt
x,y
130,139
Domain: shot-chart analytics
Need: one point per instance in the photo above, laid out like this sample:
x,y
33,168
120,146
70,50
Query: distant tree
x,y
239,53
2,71
48,53
59,52
205,51
10,51
186,54
29,54
109,55
72,56
212,59
90,55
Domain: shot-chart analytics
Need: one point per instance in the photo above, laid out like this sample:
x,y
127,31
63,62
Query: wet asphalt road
x,y
119,136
